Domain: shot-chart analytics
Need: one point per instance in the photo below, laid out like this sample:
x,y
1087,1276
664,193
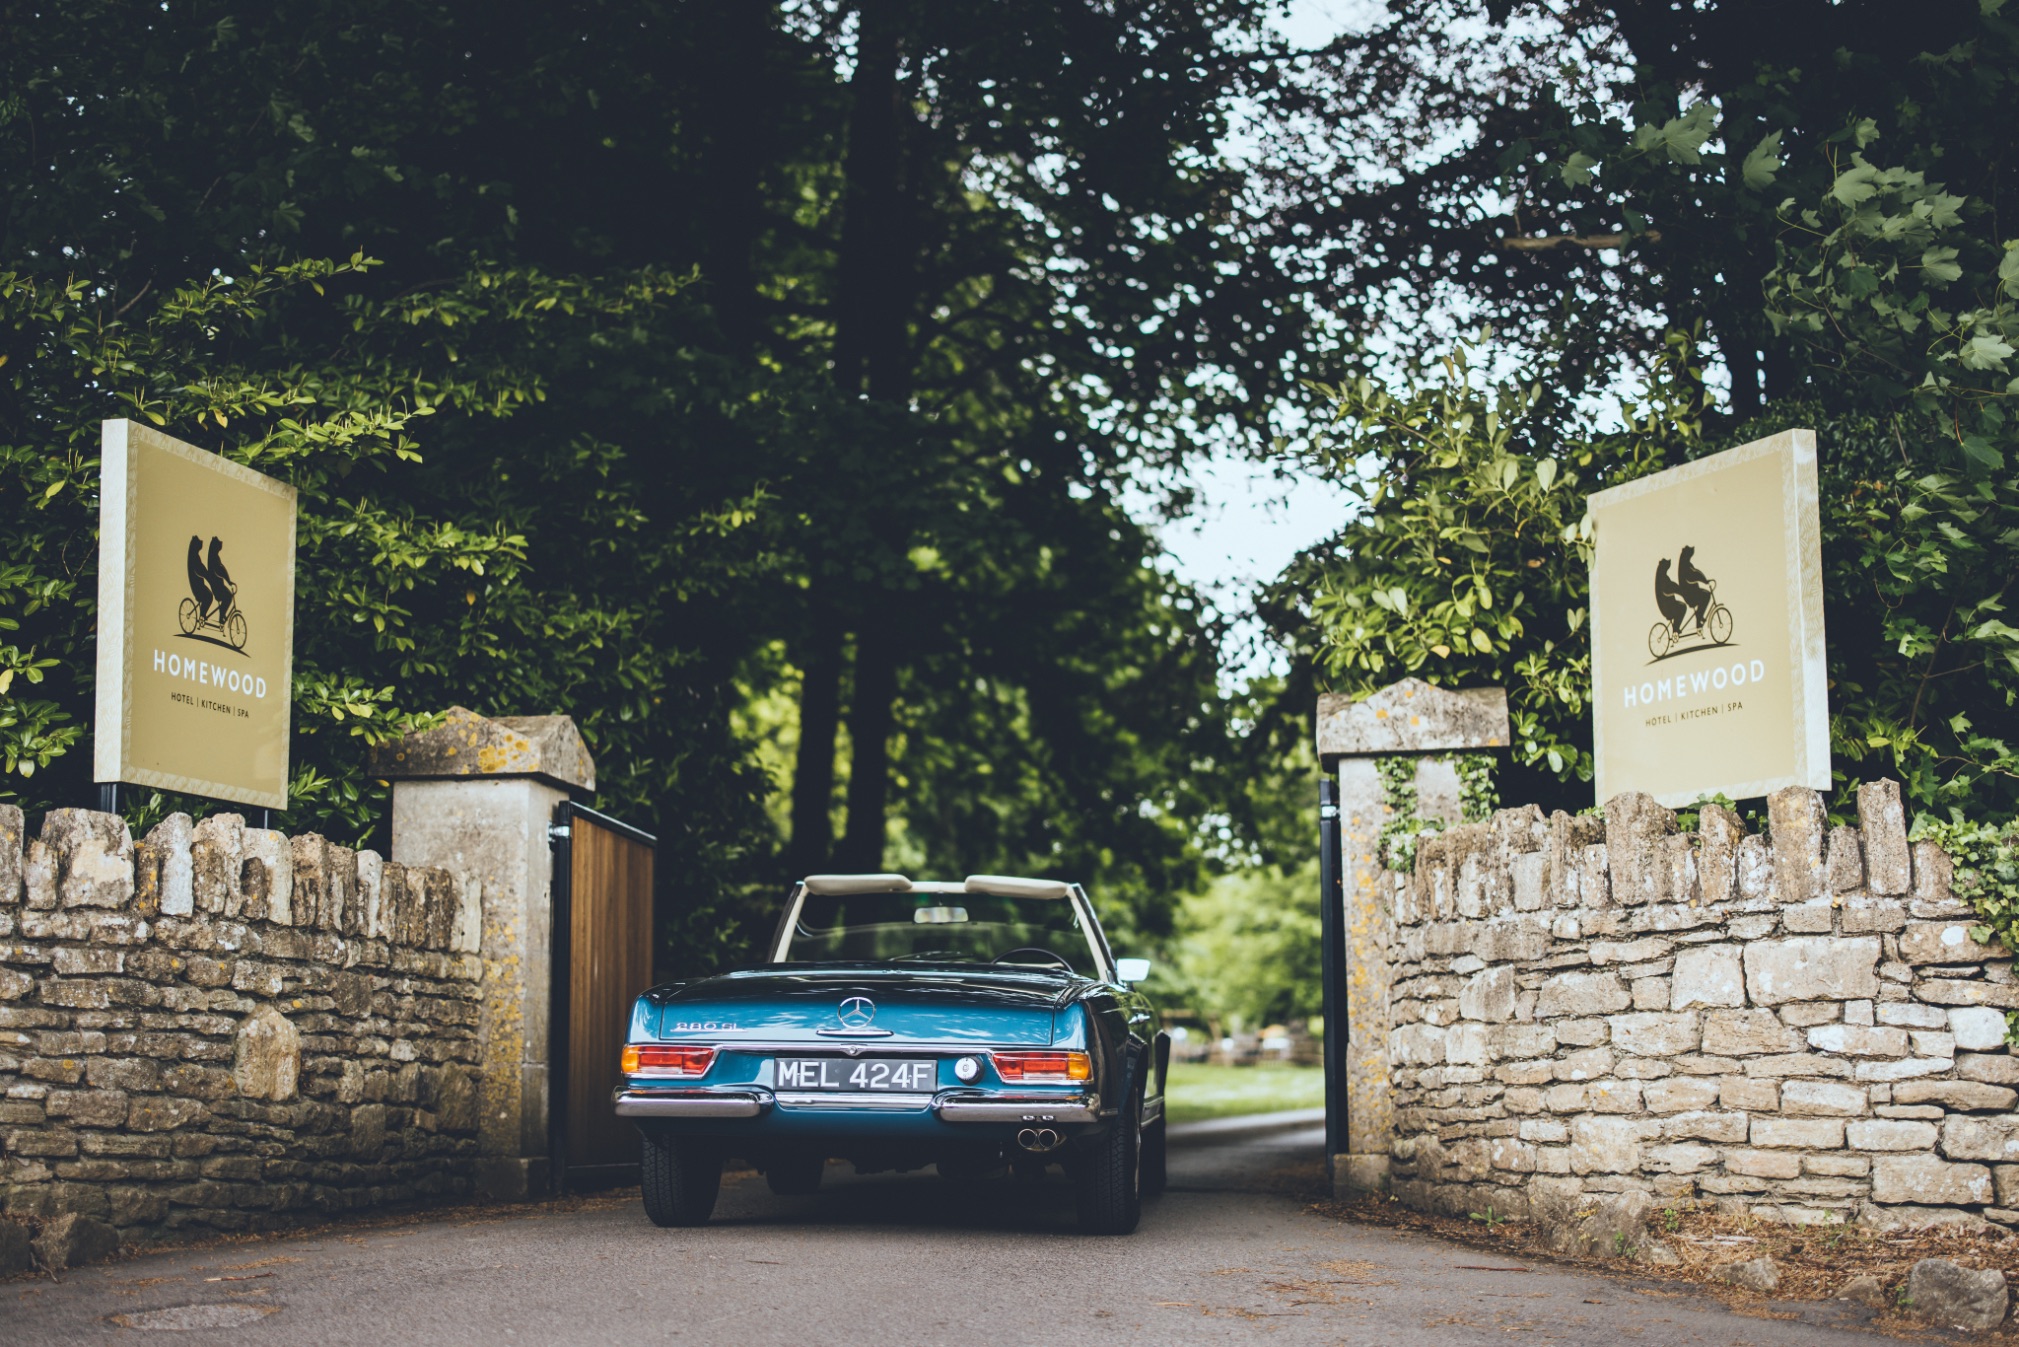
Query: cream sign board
x,y
195,621
1707,663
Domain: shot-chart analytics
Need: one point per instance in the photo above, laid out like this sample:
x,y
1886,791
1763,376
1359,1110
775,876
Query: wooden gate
x,y
602,959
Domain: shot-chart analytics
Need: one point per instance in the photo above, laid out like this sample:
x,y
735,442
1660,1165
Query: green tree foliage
x,y
1903,309
1247,949
1812,193
694,333
1919,560
1031,239
1468,563
1244,949
530,338
1104,712
1814,203
1589,176
420,583
1894,295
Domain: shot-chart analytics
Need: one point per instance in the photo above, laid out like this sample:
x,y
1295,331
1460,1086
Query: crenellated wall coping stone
x,y
1592,1015
221,1028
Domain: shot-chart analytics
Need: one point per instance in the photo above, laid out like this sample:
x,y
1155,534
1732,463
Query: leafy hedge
x,y
433,567
1469,562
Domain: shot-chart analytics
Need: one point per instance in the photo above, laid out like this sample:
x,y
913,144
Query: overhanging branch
x,y
1593,242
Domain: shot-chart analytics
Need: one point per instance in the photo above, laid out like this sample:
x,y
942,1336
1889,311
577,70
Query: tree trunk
x,y
872,355
1782,376
736,107
813,769
875,285
1742,358
871,716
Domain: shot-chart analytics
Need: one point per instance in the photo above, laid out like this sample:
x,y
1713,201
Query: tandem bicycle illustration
x,y
212,605
1688,594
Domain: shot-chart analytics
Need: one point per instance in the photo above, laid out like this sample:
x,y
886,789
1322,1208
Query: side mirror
x,y
1132,970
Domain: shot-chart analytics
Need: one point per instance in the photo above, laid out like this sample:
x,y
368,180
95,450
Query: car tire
x,y
1155,1159
680,1181
795,1175
1108,1181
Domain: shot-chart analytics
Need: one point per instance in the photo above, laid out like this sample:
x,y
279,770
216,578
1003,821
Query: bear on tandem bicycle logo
x,y
1691,616
212,605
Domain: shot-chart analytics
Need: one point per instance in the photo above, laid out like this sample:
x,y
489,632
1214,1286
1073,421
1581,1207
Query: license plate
x,y
910,1075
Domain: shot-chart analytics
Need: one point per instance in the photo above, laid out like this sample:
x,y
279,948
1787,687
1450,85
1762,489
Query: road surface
x,y
1228,1255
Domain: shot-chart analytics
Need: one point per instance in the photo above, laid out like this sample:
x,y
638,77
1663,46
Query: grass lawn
x,y
1199,1091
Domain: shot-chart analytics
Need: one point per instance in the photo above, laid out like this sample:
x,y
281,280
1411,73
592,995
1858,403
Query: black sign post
x,y
1332,935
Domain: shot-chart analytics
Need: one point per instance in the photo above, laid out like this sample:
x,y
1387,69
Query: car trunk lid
x,y
796,1003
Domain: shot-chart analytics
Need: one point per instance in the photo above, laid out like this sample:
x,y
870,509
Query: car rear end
x,y
896,1025
926,1074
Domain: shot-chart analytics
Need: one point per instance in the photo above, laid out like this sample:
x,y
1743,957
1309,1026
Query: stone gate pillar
x,y
477,797
1406,719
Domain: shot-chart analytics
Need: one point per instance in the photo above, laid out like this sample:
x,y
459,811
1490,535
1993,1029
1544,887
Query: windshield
x,y
941,928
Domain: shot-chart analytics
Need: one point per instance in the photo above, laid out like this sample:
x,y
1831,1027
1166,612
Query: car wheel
x,y
1154,1159
1109,1178
680,1182
796,1174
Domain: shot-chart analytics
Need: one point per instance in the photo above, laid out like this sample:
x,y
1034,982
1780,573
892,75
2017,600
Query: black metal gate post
x,y
1332,966
560,987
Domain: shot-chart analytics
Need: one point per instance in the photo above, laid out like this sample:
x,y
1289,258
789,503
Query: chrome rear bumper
x,y
1057,1109
968,1109
653,1104
874,1101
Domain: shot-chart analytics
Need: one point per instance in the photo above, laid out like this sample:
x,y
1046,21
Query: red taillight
x,y
666,1059
1036,1066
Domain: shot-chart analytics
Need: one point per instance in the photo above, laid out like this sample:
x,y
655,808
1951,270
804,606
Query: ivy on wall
x,y
1397,844
1986,857
1477,799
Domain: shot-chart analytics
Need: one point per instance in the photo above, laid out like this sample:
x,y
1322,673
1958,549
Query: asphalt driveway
x,y
1229,1254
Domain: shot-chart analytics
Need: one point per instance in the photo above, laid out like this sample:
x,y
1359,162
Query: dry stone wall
x,y
1592,1015
221,1028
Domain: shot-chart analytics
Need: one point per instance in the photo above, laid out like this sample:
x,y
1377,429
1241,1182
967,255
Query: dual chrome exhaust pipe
x,y
1038,1140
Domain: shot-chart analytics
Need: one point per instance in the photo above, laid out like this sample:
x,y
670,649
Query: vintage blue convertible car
x,y
976,1025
